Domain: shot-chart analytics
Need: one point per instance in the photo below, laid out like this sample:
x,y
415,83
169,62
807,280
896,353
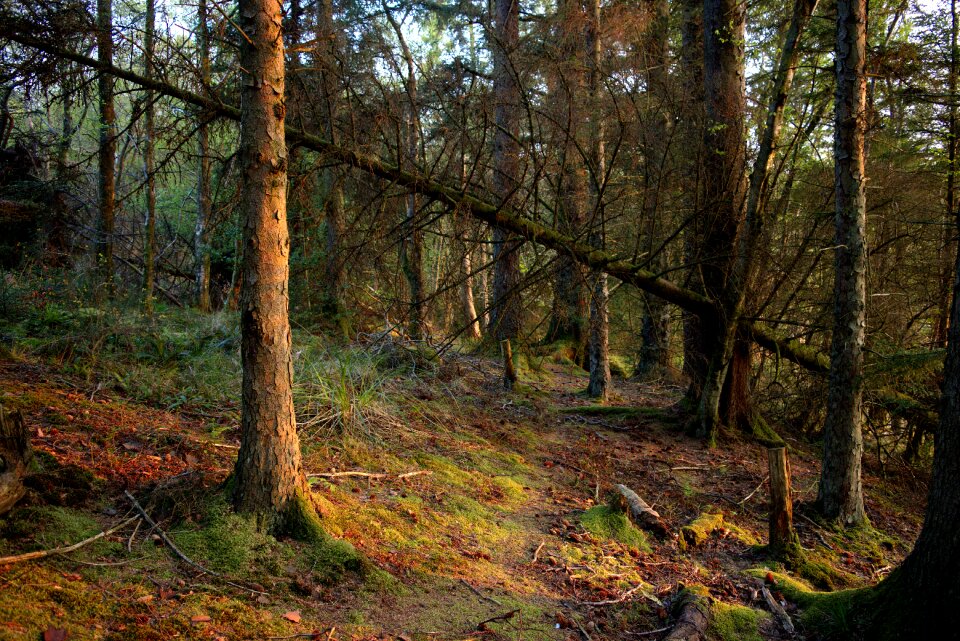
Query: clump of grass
x,y
607,523
342,395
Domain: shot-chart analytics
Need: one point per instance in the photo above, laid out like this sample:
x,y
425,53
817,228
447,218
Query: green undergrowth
x,y
607,523
46,527
620,411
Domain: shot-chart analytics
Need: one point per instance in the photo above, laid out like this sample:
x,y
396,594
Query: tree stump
x,y
15,455
781,504
509,371
693,615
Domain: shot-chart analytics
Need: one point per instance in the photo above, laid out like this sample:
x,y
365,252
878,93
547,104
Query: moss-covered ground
x,y
481,503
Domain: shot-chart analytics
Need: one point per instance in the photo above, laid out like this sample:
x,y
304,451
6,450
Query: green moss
x,y
735,623
763,433
607,523
613,410
229,543
512,492
53,526
700,529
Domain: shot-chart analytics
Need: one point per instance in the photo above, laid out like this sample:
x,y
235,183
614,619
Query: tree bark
x,y
201,242
149,250
948,247
15,456
654,361
841,496
411,249
724,193
599,342
570,316
781,502
325,54
269,481
108,147
506,312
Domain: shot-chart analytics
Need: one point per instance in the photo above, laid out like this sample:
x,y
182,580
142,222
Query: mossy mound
x,y
735,623
607,523
699,530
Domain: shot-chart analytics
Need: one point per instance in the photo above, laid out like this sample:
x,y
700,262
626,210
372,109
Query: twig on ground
x,y
40,554
136,528
536,553
778,610
755,490
506,616
649,632
620,599
480,594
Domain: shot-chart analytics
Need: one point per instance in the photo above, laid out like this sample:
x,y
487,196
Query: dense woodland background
x,y
751,207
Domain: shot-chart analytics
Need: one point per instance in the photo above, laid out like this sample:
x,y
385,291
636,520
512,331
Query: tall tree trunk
x,y
654,358
948,244
724,193
411,249
108,147
691,124
599,342
570,318
333,284
506,312
841,495
269,481
201,243
149,249
461,229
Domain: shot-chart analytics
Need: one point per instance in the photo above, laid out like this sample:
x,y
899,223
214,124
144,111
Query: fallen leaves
x,y
54,634
292,616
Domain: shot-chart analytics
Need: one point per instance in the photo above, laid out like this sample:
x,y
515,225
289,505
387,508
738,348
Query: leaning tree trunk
x,y
201,243
269,481
149,244
108,146
15,455
506,312
841,495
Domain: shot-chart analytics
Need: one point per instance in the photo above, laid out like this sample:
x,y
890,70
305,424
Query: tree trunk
x,y
506,313
461,225
570,316
411,249
841,495
654,358
201,244
108,147
269,481
948,246
326,61
724,191
691,139
599,344
149,249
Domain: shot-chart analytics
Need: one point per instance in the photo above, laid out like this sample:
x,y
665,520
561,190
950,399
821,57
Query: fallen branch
x,y
40,554
367,475
506,616
536,553
480,594
778,610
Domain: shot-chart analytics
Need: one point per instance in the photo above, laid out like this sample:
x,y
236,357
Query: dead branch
x,y
506,616
40,554
480,594
367,475
637,510
778,610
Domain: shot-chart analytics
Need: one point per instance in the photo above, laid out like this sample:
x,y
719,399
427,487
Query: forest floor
x,y
503,533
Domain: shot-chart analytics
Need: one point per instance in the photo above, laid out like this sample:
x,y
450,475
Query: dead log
x,y
15,456
637,510
509,370
778,610
693,615
700,529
